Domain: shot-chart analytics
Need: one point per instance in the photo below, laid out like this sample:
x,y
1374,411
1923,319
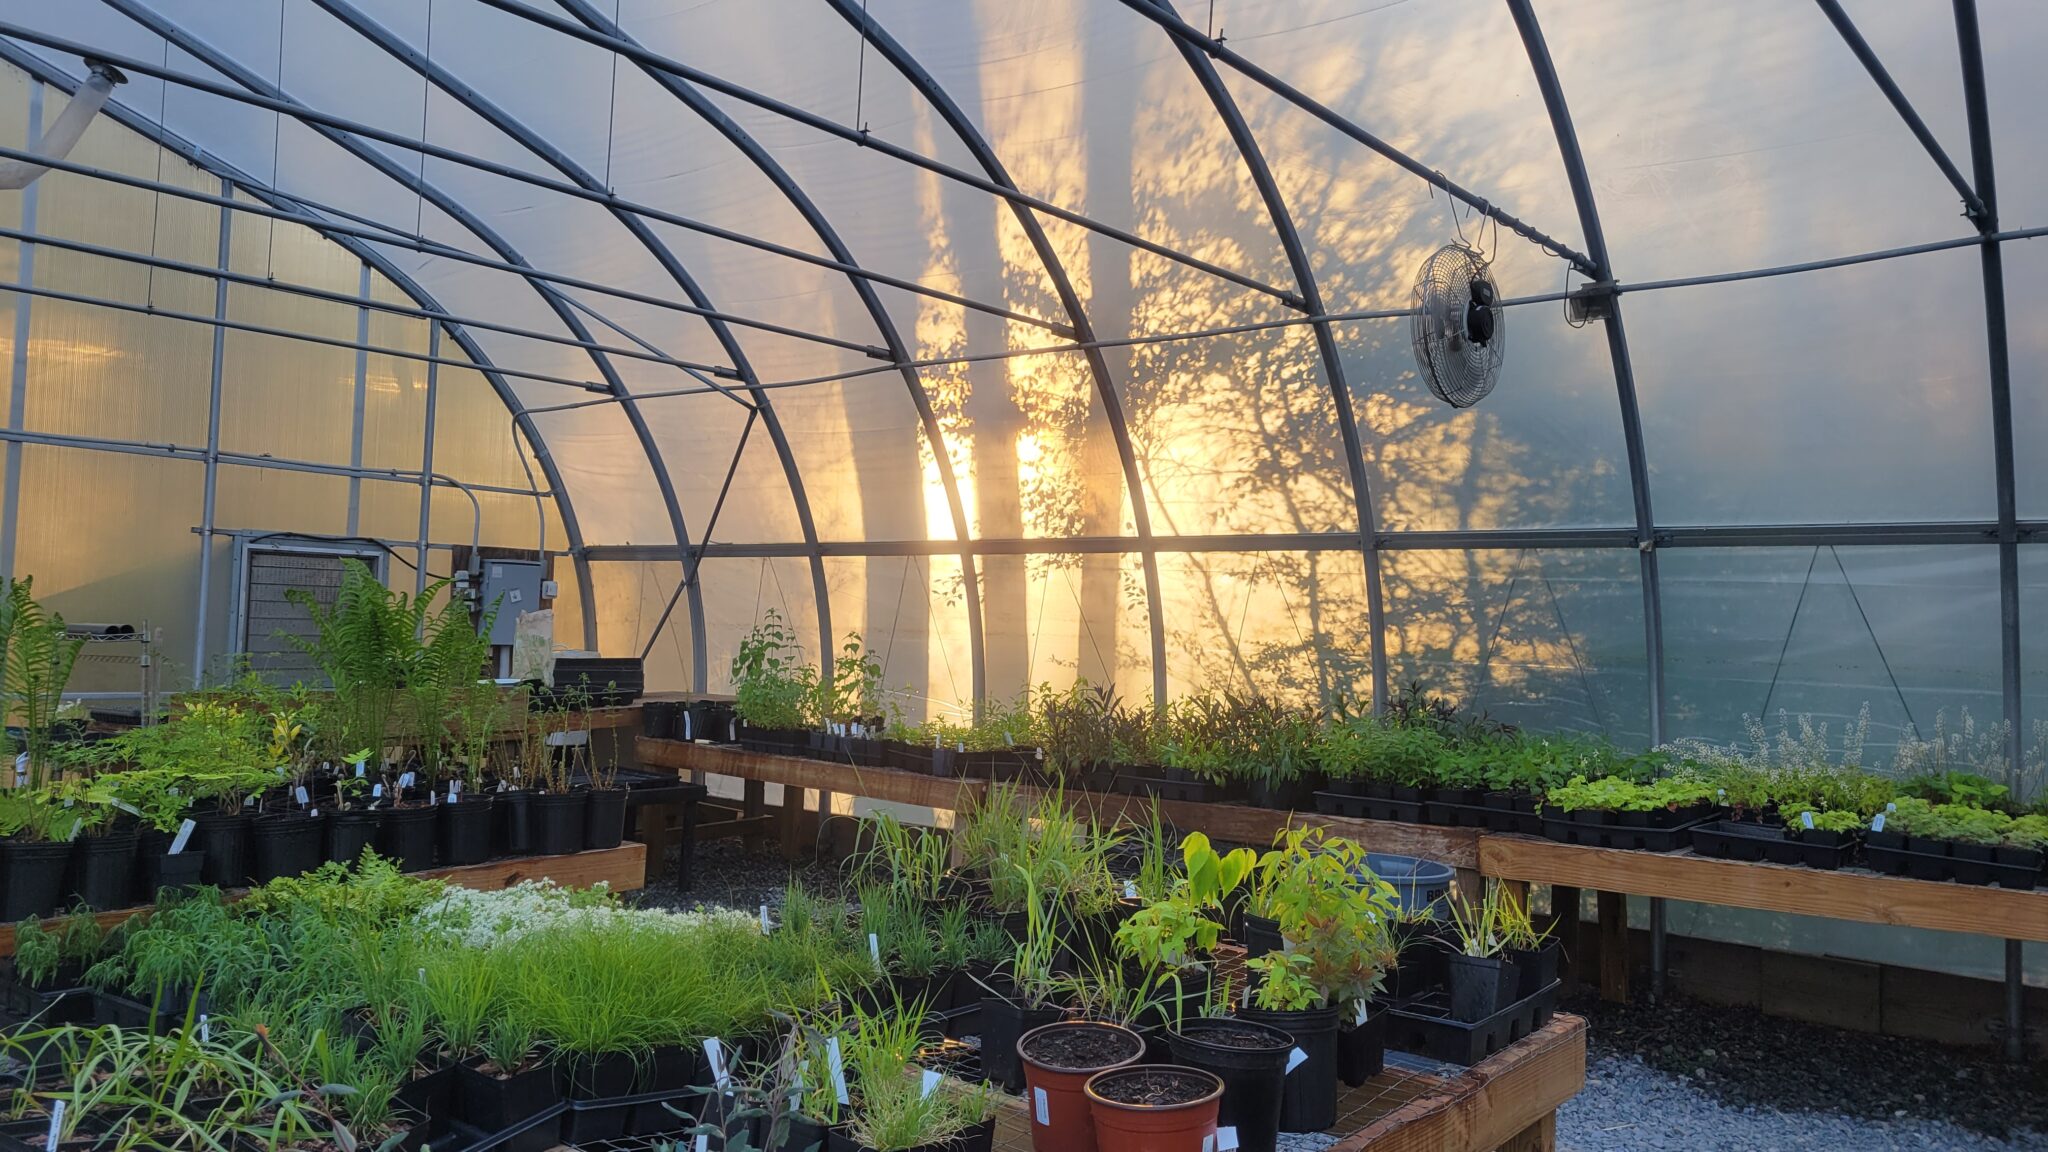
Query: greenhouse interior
x,y
918,575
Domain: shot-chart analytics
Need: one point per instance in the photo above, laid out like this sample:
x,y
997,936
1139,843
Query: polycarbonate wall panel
x,y
1543,451
2026,295
629,599
1858,394
1239,434
739,594
1910,632
1291,625
1714,145
108,539
1545,639
910,612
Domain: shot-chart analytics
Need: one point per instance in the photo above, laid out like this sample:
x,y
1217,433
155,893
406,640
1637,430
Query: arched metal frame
x,y
42,71
1203,53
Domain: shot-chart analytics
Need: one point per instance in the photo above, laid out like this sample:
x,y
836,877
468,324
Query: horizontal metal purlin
x,y
1743,536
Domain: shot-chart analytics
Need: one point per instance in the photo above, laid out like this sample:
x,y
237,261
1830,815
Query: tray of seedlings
x,y
1824,840
1480,982
1613,812
1958,842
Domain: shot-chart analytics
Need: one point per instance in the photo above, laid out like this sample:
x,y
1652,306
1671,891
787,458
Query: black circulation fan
x,y
1459,328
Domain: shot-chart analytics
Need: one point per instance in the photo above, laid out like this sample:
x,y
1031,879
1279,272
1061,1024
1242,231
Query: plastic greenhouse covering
x,y
1070,338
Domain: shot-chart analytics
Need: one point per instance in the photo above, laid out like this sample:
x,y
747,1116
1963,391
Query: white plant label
x,y
205,1035
1039,1110
931,1082
454,796
703,1142
686,725
130,809
316,813
1130,889
405,781
1008,742
454,786
376,791
183,837
1806,821
838,1067
359,769
1877,822
1226,1139
765,929
248,801
1296,1059
20,767
715,1052
875,950
75,826
56,1125
300,794
1358,1014
1209,1142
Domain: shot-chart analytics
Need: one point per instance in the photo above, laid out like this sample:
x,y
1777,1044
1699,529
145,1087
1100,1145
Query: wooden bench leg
x,y
1564,928
789,823
656,831
1614,947
753,802
1538,1137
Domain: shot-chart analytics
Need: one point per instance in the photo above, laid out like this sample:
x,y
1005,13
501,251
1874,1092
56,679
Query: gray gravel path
x,y
1629,1106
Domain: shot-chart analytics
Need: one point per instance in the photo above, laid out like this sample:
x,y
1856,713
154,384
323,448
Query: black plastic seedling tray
x,y
1424,1025
1661,831
1748,841
1919,865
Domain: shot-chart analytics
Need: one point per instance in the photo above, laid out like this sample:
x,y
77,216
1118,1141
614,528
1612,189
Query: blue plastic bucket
x,y
1418,883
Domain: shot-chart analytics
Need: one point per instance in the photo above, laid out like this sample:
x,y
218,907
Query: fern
x,y
367,646
37,661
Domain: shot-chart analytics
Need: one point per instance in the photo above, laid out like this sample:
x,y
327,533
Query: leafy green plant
x,y
440,681
37,664
365,644
772,685
1828,821
1284,983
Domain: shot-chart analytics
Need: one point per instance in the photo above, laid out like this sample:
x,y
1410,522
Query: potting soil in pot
x,y
1251,1060
1058,1060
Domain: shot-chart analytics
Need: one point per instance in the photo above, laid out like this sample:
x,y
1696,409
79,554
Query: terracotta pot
x,y
1177,1127
1055,1093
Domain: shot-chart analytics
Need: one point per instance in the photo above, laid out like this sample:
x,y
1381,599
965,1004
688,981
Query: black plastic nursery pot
x,y
1479,985
224,837
156,869
604,818
1251,1059
670,1069
406,836
103,870
660,718
591,1082
513,833
1261,936
33,877
558,822
286,844
495,1104
467,822
1362,1048
1003,1023
429,1098
1310,1100
349,831
1535,968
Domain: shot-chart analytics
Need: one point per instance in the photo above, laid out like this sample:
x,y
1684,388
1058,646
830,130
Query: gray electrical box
x,y
514,586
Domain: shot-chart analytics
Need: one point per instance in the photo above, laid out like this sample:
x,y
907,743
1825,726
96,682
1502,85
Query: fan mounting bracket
x,y
1593,301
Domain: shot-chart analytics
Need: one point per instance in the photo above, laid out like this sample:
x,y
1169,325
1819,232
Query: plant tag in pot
x,y
1296,1059
299,793
359,769
130,809
183,837
376,791
931,1082
205,1034
249,801
1130,889
1358,1014
686,725
1877,822
1806,821
715,1053
405,781
875,950
1039,1110
765,929
316,813
56,1125
703,1142
838,1068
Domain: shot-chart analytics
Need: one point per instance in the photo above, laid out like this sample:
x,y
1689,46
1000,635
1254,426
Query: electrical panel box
x,y
514,586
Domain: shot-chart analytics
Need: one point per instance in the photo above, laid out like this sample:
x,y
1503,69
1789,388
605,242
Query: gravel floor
x,y
1683,1076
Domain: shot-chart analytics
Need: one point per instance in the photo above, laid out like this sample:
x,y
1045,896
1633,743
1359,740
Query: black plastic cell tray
x,y
1928,866
1636,837
1741,840
1424,1025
